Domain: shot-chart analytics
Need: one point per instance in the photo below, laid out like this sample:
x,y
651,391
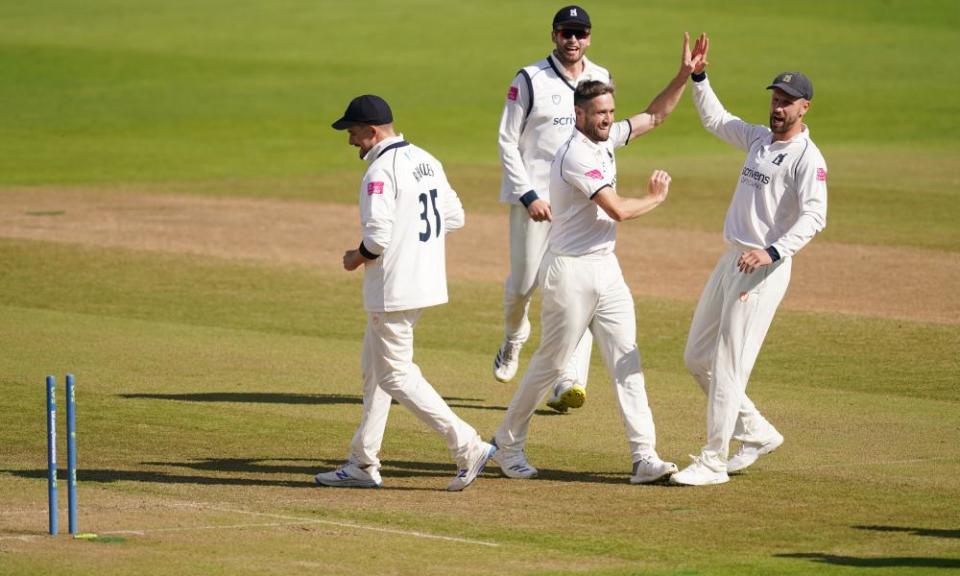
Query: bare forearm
x,y
667,100
630,208
661,107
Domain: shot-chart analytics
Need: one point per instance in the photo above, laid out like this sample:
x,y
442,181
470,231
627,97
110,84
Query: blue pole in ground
x,y
72,453
52,452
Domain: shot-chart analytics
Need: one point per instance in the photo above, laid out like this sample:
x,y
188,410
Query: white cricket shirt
x,y
580,169
406,209
781,194
537,118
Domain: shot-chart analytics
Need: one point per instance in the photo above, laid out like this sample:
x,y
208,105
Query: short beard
x,y
784,128
594,134
564,59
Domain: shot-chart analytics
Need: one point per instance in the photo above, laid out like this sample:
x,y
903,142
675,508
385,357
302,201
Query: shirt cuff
x,y
366,253
529,198
774,253
699,77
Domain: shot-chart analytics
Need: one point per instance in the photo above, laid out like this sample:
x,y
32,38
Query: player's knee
x,y
393,381
697,364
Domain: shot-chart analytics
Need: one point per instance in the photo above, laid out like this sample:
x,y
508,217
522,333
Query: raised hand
x,y
698,57
686,58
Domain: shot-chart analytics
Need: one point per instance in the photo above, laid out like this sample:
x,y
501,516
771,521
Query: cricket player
x,y
537,118
779,204
407,207
583,286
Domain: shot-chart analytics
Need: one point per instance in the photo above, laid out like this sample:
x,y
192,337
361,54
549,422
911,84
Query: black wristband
x,y
529,198
699,77
366,253
774,254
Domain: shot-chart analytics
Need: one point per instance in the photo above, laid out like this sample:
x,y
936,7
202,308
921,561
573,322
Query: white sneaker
x,y
699,474
507,361
750,451
350,476
651,469
515,465
465,476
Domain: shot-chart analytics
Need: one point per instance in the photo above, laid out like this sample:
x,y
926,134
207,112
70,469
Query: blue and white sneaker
x,y
507,362
350,475
466,476
515,465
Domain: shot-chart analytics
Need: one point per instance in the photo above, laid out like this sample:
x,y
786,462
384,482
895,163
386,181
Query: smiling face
x,y
786,114
571,44
363,137
595,117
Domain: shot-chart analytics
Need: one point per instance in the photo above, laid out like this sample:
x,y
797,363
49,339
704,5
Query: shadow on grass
x,y
308,399
109,476
877,562
934,532
238,472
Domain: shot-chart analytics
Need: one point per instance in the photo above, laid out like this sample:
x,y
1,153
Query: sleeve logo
x,y
512,93
374,188
821,175
595,174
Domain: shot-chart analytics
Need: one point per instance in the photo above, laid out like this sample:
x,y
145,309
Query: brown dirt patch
x,y
879,281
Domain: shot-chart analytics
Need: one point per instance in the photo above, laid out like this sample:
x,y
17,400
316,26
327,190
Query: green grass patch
x,y
227,385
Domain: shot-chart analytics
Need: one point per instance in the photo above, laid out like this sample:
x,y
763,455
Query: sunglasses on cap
x,y
569,33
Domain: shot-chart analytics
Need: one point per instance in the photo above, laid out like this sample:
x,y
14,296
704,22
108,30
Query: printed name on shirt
x,y
512,93
821,175
374,188
422,170
595,174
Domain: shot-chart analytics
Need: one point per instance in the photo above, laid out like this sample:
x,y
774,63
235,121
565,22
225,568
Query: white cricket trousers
x,y
389,372
728,328
528,244
581,292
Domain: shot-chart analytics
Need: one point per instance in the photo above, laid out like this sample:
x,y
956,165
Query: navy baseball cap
x,y
795,84
571,17
367,109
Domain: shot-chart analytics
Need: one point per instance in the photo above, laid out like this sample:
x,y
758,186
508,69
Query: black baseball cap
x,y
795,84
367,109
571,17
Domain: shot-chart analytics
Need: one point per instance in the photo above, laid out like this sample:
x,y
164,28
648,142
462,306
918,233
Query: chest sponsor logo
x,y
753,177
779,159
556,99
512,93
564,121
821,175
594,174
374,188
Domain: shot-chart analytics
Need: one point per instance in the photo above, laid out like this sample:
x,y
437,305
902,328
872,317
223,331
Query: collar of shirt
x,y
374,152
556,64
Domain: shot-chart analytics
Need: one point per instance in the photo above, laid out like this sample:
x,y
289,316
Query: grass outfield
x,y
211,390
